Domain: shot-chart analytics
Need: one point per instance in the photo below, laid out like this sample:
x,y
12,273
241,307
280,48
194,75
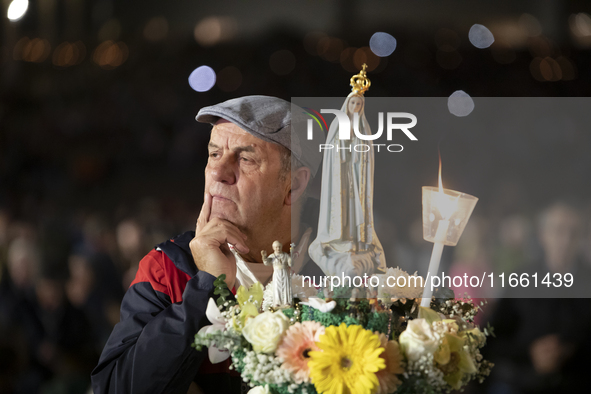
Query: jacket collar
x,y
177,249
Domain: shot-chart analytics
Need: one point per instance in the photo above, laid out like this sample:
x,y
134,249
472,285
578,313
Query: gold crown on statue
x,y
360,83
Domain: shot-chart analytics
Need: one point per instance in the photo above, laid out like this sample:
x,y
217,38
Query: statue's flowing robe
x,y
345,224
282,294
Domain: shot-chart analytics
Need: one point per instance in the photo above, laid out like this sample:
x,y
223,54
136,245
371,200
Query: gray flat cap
x,y
270,119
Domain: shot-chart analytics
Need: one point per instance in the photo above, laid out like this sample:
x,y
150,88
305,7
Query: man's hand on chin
x,y
210,245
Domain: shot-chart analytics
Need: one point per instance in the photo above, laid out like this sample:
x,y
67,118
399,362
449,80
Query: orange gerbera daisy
x,y
387,376
299,339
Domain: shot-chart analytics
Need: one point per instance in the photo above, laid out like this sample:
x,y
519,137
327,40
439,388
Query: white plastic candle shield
x,y
445,215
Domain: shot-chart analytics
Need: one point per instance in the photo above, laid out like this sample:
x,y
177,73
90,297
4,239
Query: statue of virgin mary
x,y
346,240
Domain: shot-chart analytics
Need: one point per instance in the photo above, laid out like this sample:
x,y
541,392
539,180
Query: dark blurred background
x,y
101,158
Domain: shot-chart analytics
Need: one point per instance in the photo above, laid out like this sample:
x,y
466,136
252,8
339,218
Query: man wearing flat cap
x,y
255,178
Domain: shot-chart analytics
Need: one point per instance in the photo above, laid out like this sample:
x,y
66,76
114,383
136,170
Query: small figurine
x,y
281,262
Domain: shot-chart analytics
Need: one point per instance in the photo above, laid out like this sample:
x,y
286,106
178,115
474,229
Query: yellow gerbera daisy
x,y
347,362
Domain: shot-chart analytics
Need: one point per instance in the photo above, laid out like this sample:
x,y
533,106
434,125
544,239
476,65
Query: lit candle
x,y
445,215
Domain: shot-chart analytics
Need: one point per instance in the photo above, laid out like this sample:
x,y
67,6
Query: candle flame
x,y
447,205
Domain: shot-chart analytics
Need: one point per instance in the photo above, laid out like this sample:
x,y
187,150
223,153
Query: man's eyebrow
x,y
238,149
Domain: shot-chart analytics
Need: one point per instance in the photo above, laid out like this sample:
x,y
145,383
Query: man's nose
x,y
222,170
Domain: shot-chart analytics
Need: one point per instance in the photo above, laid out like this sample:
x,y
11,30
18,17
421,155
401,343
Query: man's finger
x,y
235,238
222,232
205,211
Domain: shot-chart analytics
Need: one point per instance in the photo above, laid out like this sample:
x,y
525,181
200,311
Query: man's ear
x,y
299,183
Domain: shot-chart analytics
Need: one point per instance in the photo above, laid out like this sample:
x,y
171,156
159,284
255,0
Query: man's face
x,y
242,175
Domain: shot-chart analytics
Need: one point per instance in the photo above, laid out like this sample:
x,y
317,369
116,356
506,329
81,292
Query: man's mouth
x,y
220,198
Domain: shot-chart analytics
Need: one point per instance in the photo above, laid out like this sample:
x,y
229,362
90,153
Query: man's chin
x,y
224,215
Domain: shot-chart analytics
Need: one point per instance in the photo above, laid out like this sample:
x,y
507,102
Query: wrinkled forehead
x,y
229,135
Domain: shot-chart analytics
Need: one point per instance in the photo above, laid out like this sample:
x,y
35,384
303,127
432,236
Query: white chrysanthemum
x,y
400,284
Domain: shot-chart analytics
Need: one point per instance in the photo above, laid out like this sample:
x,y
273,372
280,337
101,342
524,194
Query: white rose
x,y
418,339
264,331
259,390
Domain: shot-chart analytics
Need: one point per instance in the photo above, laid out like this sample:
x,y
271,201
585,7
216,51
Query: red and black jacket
x,y
149,350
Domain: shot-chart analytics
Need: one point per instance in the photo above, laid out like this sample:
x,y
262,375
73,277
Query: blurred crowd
x,y
60,293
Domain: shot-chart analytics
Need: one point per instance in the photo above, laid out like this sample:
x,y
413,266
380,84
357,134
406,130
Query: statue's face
x,y
277,248
355,104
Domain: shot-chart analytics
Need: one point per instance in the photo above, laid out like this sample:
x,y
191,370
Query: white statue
x,y
281,262
346,240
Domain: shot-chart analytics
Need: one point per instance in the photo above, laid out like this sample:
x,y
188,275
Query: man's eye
x,y
213,154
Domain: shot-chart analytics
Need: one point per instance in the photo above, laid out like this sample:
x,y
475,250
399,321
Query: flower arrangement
x,y
345,345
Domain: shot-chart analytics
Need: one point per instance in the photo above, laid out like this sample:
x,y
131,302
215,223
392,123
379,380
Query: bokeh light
x,y
109,54
582,24
69,54
229,79
552,70
382,44
17,53
364,55
480,36
202,79
35,50
534,69
580,29
64,55
282,62
17,9
213,30
156,29
460,103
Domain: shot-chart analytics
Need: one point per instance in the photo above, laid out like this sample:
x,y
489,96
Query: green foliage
x,y
289,312
377,322
359,313
221,290
282,389
414,385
